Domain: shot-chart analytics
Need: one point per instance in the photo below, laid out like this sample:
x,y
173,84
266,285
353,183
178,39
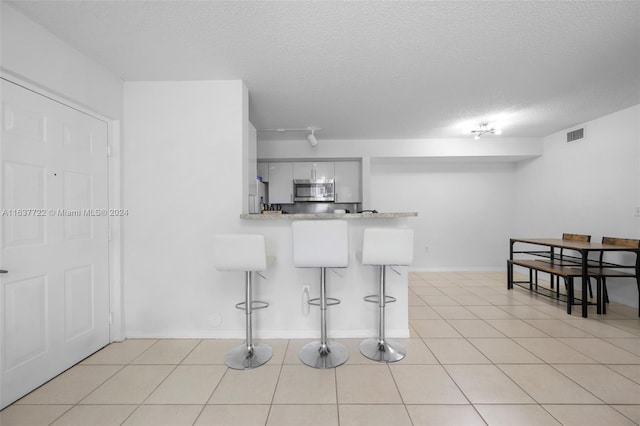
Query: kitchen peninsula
x,y
288,288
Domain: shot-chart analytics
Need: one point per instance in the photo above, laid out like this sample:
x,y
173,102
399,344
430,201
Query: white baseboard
x,y
460,269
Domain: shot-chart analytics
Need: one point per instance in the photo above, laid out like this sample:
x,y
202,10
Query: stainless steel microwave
x,y
321,190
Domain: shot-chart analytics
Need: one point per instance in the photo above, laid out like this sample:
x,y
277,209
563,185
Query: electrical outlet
x,y
305,300
637,211
426,249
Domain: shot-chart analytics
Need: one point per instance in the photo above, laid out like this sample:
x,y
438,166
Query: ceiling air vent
x,y
575,135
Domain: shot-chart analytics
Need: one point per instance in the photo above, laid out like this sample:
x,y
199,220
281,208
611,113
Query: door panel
x,y
25,309
55,299
24,123
77,138
79,301
24,185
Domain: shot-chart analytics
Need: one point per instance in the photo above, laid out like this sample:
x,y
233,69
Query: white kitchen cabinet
x,y
324,170
263,171
313,170
348,182
252,161
280,183
302,170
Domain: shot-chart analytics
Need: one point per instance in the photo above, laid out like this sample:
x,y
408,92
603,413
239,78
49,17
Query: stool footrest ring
x,y
330,301
375,298
255,305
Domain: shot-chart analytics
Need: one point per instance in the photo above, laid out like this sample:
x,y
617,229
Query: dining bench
x,y
568,273
558,265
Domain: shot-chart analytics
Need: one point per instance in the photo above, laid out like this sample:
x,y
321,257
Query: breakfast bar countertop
x,y
306,216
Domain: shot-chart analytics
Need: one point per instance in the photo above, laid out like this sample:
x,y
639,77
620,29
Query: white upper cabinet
x,y
302,170
252,164
324,170
263,171
280,183
313,170
348,182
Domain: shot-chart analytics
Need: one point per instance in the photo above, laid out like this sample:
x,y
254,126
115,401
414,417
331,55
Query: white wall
x,y
34,54
588,187
183,180
465,210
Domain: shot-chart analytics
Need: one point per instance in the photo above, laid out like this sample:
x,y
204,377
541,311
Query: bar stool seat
x,y
244,252
322,244
385,247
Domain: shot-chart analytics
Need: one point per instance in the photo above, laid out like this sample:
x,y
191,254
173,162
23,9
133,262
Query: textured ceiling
x,y
376,70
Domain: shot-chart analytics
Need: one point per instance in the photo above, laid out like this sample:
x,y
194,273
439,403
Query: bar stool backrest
x,y
387,246
240,252
320,243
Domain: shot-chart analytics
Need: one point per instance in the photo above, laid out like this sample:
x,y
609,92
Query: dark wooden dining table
x,y
584,248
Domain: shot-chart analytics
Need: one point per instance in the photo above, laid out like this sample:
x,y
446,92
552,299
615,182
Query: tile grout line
x,y
400,393
214,388
275,388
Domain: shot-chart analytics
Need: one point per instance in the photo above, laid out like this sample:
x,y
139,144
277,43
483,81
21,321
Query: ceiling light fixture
x,y
484,129
311,137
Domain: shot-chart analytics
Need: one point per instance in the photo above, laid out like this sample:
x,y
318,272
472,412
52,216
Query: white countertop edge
x,y
299,216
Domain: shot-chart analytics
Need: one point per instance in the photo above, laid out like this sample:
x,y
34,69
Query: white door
x,y
54,300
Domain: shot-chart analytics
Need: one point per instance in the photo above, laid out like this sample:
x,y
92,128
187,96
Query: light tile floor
x,y
478,354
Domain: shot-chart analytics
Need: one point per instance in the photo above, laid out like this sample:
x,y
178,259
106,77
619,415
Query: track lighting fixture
x,y
311,137
484,129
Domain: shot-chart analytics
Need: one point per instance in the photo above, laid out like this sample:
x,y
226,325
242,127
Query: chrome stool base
x,y
332,355
240,358
387,351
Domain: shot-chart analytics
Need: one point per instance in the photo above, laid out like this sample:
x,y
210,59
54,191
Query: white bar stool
x,y
244,252
385,247
322,244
